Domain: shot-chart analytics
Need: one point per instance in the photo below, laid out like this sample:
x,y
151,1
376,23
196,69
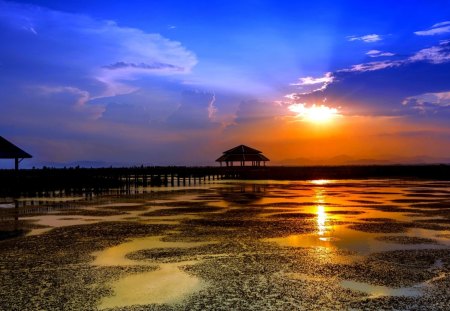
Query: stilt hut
x,y
243,154
10,151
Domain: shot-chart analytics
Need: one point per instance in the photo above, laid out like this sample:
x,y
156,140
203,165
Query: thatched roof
x,y
242,153
10,151
242,149
242,157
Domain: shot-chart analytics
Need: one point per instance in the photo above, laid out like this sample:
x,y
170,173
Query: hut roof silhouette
x,y
10,151
242,154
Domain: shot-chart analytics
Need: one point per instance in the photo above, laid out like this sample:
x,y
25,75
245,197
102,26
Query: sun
x,y
314,113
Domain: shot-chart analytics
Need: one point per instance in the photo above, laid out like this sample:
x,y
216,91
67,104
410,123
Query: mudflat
x,y
266,245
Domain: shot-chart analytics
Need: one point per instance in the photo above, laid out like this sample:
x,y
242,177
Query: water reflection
x,y
321,219
320,182
340,202
321,213
375,291
332,202
243,194
117,255
168,284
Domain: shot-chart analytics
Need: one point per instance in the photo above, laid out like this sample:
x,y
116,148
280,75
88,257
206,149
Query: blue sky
x,y
177,82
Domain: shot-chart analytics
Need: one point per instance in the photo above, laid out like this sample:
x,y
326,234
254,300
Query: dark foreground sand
x,y
237,248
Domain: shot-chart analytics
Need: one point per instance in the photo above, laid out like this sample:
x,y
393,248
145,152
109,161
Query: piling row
x,y
50,182
83,181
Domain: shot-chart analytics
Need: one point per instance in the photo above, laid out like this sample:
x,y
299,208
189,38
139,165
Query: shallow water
x,y
223,241
116,255
375,291
363,243
167,285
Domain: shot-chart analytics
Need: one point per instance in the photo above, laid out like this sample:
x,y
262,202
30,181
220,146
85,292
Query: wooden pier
x,y
85,181
72,181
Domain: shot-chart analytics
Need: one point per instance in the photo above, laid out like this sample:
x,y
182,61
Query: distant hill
x,y
349,160
300,161
83,164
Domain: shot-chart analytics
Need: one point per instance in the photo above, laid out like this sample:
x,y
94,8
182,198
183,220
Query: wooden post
x,y
16,215
16,164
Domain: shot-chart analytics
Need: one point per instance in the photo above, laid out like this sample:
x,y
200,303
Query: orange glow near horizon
x,y
315,114
289,140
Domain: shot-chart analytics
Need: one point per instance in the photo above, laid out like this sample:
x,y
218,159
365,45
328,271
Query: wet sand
x,y
315,245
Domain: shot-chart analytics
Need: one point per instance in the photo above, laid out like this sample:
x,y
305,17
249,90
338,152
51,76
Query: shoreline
x,y
14,183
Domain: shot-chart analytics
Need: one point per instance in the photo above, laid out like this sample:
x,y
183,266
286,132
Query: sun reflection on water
x,y
321,219
321,213
320,182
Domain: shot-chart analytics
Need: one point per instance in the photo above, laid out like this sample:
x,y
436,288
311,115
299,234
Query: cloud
x,y
196,110
372,66
212,109
427,103
435,55
83,86
377,53
441,24
311,84
436,29
327,78
365,38
380,88
126,113
83,96
153,66
77,50
250,111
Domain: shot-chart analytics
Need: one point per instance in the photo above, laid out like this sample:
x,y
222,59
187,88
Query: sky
x,y
179,82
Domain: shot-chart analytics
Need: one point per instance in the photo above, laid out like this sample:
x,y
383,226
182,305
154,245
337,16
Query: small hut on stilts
x,y
243,154
10,151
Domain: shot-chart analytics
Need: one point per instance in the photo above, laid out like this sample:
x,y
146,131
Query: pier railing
x,y
37,181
